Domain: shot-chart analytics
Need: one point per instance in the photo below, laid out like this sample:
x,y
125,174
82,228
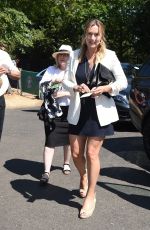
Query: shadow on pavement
x,y
135,195
30,110
130,149
23,167
130,175
32,191
124,144
124,126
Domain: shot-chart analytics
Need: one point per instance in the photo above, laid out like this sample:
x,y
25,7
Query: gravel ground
x,y
15,100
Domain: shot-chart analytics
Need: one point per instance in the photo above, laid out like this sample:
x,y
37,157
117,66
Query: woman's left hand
x,y
97,91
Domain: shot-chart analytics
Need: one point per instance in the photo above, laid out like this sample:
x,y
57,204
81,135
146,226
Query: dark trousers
x,y
2,113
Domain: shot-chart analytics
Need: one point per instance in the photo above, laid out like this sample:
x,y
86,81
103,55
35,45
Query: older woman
x,y
58,135
92,109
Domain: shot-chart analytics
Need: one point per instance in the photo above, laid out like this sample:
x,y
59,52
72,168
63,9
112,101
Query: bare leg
x,y
67,154
93,168
48,154
47,158
77,148
93,162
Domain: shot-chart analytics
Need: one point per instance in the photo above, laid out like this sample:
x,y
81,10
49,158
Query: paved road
x,y
123,189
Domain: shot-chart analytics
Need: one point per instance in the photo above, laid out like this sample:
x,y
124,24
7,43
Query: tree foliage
x,y
35,29
16,32
141,31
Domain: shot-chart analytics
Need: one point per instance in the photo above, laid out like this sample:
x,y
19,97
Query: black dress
x,y
58,135
88,124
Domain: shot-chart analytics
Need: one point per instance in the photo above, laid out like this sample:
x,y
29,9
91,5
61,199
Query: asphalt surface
x,y
123,189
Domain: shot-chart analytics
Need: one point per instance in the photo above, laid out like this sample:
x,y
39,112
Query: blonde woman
x,y
92,109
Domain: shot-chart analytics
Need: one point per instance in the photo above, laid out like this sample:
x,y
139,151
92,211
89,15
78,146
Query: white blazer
x,y
105,107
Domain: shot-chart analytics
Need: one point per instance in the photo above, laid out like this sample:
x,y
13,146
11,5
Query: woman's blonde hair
x,y
101,47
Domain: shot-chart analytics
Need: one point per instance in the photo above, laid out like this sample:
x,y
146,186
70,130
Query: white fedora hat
x,y
65,49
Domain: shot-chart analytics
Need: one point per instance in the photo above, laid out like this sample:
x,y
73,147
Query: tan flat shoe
x,y
86,213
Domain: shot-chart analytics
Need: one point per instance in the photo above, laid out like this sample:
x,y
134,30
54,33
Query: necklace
x,y
88,71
